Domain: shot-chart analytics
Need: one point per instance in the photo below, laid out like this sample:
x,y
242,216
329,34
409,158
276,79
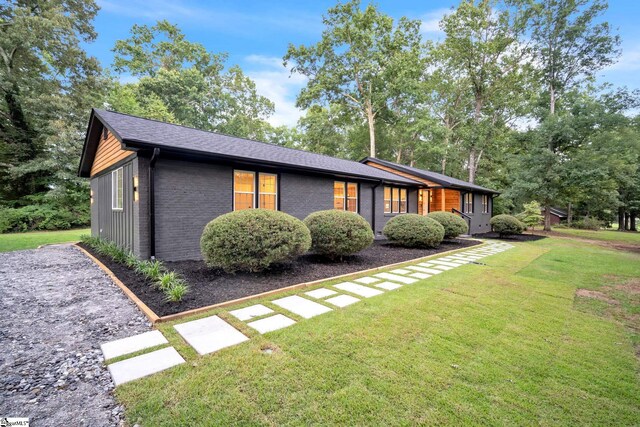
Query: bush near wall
x,y
337,233
414,231
252,240
507,225
453,224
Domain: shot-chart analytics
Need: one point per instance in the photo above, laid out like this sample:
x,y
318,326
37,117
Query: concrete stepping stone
x,y
354,288
443,267
420,275
396,278
448,264
342,300
320,293
271,323
143,365
250,312
417,268
431,269
301,306
400,271
367,280
210,334
389,286
132,344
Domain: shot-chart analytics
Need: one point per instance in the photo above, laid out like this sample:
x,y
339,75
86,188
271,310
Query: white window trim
x,y
253,193
116,189
266,194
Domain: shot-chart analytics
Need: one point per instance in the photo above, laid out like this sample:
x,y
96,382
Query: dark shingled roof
x,y
138,132
444,180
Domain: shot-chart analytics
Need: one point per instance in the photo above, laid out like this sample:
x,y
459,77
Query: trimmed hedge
x,y
507,225
337,233
252,240
42,217
414,231
452,223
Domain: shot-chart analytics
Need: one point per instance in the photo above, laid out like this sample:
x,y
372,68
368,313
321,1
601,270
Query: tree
x,y
46,83
361,63
531,215
570,48
191,82
485,44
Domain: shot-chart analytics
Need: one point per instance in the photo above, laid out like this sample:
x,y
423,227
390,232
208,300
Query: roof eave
x,y
138,144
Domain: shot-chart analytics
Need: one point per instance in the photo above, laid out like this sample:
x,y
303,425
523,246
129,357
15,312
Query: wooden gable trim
x,y
403,174
109,152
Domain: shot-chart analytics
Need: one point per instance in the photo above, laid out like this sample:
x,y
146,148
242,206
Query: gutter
x,y
152,203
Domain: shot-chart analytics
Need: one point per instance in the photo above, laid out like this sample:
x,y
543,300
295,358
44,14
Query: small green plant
x,y
414,231
150,269
335,234
507,225
452,223
169,282
531,215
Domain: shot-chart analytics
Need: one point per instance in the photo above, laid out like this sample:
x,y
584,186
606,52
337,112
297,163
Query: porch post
x,y
442,193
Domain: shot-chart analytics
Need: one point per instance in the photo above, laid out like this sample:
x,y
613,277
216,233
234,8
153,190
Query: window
x,y
244,190
395,200
268,187
116,189
485,204
467,206
387,199
345,196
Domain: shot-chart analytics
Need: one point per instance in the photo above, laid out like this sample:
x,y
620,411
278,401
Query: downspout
x,y
152,204
373,207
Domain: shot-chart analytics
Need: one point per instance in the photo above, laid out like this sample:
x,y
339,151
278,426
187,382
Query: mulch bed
x,y
211,286
513,238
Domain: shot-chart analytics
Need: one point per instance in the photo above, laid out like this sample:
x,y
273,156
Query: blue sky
x,y
256,34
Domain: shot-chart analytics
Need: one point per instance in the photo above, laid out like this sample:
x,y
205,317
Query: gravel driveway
x,y
56,308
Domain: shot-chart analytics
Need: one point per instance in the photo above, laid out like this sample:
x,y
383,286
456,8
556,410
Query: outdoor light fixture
x,y
135,188
91,196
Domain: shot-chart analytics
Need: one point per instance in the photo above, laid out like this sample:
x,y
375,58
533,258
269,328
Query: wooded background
x,y
508,100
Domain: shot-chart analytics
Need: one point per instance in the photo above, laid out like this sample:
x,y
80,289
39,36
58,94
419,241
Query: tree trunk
x,y
626,221
621,218
371,120
569,215
547,217
472,165
633,221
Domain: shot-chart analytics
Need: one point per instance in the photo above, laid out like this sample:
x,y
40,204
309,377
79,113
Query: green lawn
x,y
606,235
17,241
507,343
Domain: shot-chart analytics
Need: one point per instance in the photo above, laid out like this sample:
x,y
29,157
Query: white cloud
x,y
628,61
274,81
431,21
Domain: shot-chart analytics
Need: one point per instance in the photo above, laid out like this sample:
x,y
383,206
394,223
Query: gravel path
x,y
56,308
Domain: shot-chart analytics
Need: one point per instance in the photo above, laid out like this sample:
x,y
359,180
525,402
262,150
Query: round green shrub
x,y
252,240
452,223
414,231
337,233
507,225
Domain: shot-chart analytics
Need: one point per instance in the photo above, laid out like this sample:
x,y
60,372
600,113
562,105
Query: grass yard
x,y
629,237
506,343
16,241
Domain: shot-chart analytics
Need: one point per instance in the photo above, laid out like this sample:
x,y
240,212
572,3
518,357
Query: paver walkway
x,y
212,333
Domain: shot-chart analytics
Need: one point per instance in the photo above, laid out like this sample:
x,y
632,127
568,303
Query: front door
x,y
423,201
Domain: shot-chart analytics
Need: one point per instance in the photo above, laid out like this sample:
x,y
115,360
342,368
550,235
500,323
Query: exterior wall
x,y
108,153
115,225
452,200
187,196
479,222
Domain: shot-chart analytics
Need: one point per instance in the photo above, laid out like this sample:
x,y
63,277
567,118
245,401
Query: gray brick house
x,y
155,185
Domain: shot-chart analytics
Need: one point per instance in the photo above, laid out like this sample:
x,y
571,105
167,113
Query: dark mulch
x,y
514,238
211,286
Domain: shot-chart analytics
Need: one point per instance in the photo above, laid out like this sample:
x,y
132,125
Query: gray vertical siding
x,y
479,222
117,226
